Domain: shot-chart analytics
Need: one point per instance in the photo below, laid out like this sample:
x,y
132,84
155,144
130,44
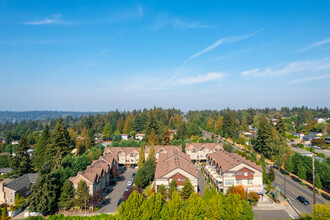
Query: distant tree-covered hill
x,y
17,116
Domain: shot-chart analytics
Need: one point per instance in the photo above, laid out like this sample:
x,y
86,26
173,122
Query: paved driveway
x,y
117,192
201,181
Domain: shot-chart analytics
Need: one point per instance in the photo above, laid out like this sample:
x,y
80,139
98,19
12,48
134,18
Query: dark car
x,y
133,174
275,166
303,200
120,201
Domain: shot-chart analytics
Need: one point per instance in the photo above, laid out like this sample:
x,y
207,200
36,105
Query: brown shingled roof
x,y
198,146
227,160
168,162
165,147
115,150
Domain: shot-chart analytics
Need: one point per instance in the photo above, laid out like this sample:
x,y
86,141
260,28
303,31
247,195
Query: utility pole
x,y
313,181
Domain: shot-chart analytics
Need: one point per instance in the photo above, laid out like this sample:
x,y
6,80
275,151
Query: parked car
x,y
133,174
129,183
120,201
303,200
275,166
132,179
316,147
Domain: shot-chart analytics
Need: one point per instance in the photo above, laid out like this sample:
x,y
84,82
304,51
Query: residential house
x,y
5,170
126,156
321,120
319,134
175,166
226,169
302,151
198,151
124,137
327,140
139,136
97,175
14,142
21,185
106,143
161,149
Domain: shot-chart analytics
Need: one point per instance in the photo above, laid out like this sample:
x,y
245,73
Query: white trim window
x,y
239,181
250,181
229,182
245,173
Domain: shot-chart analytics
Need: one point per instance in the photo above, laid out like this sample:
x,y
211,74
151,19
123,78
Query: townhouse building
x,y
226,169
198,151
126,156
97,176
175,166
21,185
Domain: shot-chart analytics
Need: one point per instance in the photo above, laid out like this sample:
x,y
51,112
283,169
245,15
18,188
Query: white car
x,y
129,183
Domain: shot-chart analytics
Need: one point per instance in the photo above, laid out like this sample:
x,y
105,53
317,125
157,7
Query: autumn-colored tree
x,y
153,139
84,142
167,137
129,123
253,197
141,156
218,124
238,190
120,124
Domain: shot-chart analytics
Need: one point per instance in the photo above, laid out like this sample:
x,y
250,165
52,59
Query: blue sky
x,y
103,55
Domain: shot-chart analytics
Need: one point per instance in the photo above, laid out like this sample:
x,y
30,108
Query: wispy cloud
x,y
177,23
140,10
313,45
293,67
313,78
219,42
53,19
215,76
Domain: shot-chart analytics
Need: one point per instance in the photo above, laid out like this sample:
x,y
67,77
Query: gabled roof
x,y
23,181
167,148
115,150
228,161
210,146
5,170
167,164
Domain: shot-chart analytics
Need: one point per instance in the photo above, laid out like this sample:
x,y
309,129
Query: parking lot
x,y
117,192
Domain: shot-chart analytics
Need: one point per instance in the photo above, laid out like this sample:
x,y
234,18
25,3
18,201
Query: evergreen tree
x,y
60,143
153,206
41,148
289,164
162,190
244,125
172,188
141,156
230,125
172,123
84,142
21,161
107,132
271,175
152,124
133,207
264,174
215,206
151,152
44,192
81,194
301,171
181,132
174,208
280,126
195,207
187,190
66,199
137,126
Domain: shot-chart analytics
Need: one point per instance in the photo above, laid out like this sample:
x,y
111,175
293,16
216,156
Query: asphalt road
x,y
271,214
117,192
201,181
293,190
